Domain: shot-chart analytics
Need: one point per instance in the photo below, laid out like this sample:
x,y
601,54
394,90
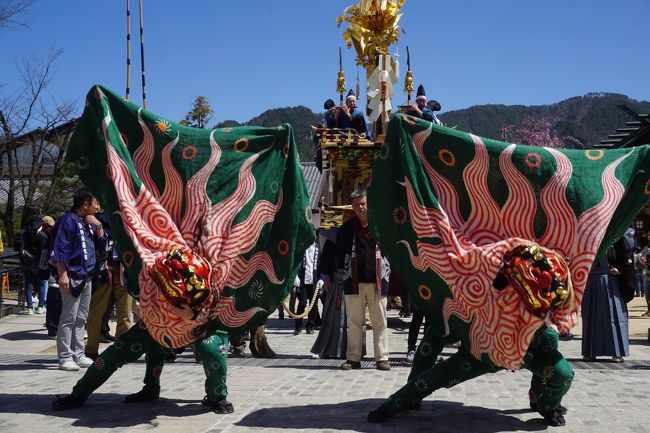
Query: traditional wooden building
x,y
635,133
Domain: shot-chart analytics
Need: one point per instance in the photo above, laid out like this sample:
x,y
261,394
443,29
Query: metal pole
x,y
144,87
128,49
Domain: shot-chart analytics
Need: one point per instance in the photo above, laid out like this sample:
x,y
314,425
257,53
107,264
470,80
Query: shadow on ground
x,y
434,416
27,334
103,410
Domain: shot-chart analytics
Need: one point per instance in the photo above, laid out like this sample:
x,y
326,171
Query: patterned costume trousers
x,y
552,374
131,345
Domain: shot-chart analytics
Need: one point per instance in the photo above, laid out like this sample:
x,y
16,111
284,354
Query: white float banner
x,y
390,75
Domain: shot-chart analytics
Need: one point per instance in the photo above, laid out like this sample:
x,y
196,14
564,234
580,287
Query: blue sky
x,y
249,56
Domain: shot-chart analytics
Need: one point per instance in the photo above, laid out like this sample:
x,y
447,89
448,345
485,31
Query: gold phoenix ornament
x,y
373,28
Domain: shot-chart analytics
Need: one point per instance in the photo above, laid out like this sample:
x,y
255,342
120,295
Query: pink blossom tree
x,y
537,132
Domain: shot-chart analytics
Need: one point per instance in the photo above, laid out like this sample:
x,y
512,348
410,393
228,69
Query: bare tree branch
x,y
31,147
10,10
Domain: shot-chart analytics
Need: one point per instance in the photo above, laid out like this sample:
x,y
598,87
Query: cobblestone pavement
x,y
294,392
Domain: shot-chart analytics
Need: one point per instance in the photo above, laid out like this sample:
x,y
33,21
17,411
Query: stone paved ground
x,y
296,393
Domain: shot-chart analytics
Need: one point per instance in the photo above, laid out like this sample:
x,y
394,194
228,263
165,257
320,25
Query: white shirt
x,y
309,264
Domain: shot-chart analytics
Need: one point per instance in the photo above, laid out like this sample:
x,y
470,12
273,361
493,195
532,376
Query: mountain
x,y
300,118
589,118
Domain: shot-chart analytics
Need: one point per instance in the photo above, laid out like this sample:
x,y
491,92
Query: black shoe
x,y
554,418
297,332
106,338
219,406
380,414
310,330
141,396
351,365
383,365
560,409
67,402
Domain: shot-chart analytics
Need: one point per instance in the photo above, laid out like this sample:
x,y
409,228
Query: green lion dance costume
x,y
495,242
211,226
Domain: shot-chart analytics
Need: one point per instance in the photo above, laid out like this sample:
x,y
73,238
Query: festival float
x,y
347,155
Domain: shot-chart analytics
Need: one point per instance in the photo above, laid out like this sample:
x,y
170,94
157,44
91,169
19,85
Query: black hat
x,y
328,104
421,93
351,95
433,105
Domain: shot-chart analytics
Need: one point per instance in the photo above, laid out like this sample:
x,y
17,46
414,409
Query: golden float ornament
x,y
373,28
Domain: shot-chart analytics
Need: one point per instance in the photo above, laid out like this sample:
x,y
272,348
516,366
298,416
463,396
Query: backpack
x,y
27,247
44,256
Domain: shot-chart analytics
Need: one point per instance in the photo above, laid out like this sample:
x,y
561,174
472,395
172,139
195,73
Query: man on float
x,y
351,117
420,108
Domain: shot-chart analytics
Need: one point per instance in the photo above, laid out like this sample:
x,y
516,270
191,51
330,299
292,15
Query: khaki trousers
x,y
355,308
98,306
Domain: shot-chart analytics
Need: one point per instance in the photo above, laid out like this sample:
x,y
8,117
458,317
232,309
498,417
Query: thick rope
x,y
311,304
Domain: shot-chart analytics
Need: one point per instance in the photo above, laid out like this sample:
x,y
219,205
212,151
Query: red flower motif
x,y
399,215
424,292
283,247
99,363
128,258
189,152
447,157
241,144
533,160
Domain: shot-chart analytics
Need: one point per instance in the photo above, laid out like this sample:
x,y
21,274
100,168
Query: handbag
x,y
26,256
77,286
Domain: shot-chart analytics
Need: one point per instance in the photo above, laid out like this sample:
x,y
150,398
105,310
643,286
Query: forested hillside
x,y
300,118
588,118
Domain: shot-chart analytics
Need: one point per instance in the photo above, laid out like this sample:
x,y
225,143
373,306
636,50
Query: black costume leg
x,y
428,351
458,368
214,356
127,348
552,375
